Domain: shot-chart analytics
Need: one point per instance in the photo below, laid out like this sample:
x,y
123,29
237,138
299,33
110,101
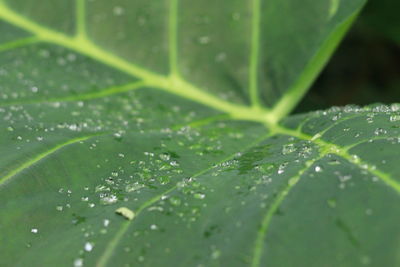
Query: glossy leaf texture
x,y
126,139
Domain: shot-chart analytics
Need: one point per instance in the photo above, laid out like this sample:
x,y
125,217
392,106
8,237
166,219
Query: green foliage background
x,y
366,67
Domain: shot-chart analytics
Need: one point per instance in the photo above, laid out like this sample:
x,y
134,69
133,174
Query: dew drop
x,y
108,199
287,149
394,118
175,201
204,40
380,131
88,246
318,169
331,203
118,11
78,262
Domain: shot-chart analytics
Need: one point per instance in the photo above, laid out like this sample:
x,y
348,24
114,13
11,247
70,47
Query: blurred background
x,y
366,67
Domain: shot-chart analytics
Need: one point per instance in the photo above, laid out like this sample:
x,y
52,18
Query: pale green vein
x,y
23,166
300,87
368,140
266,221
255,52
84,96
173,37
107,254
325,149
329,148
172,84
18,43
334,124
80,18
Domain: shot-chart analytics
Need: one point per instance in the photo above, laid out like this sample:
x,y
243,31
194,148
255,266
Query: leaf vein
x,y
266,221
103,260
25,165
85,96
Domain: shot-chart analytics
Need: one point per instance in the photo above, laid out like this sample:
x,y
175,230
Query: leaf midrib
x,y
172,83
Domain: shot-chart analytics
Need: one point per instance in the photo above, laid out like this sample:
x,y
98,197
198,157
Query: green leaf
x,y
141,109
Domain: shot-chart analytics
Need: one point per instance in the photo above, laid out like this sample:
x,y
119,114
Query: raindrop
x,y
287,149
175,201
118,11
78,262
88,246
380,131
108,199
59,208
204,40
318,169
199,196
394,118
331,203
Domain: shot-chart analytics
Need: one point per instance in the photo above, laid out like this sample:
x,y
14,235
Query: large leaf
x,y
84,133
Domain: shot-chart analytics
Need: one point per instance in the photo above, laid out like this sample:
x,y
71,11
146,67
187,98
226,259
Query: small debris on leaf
x,y
125,212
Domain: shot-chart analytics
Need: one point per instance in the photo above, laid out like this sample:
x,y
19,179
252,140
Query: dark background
x,y
366,67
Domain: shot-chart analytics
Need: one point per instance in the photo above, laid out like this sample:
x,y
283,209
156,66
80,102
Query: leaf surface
x,y
116,117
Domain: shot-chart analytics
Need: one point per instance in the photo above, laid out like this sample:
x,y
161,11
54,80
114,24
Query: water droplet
x,y
108,199
318,169
199,196
88,246
380,131
133,187
118,11
34,230
394,118
204,40
331,203
78,262
215,254
175,201
287,149
365,260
